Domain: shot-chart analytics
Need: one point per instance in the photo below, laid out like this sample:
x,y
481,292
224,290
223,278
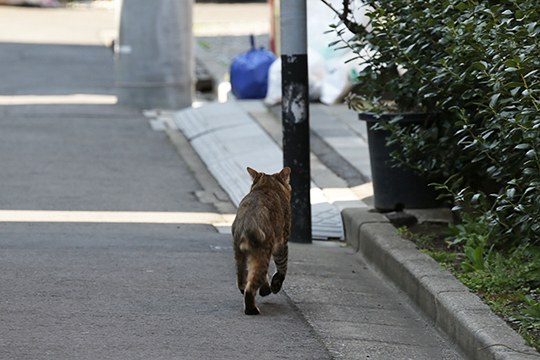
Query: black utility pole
x,y
295,113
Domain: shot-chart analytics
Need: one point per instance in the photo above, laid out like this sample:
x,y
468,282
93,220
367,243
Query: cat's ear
x,y
252,172
285,174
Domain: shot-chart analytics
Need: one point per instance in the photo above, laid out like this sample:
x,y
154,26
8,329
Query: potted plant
x,y
395,56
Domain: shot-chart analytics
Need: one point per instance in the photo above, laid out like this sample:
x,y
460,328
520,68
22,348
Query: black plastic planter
x,y
395,188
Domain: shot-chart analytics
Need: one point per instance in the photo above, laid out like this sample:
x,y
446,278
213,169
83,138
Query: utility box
x,y
154,62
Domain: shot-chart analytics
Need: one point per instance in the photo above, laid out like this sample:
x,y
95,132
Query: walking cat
x,y
261,230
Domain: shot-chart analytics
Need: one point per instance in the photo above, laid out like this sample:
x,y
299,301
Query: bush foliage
x,y
476,63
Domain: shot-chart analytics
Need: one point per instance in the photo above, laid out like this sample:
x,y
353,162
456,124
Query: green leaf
x,y
493,100
408,50
531,73
462,6
480,65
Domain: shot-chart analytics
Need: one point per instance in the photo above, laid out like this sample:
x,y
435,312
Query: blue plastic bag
x,y
249,72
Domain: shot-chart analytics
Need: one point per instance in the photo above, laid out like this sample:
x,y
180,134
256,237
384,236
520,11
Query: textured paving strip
x,y
228,140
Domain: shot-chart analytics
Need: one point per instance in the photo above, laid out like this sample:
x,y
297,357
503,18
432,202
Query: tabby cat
x,y
261,230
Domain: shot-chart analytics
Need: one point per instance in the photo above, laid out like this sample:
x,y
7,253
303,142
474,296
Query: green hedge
x,y
477,65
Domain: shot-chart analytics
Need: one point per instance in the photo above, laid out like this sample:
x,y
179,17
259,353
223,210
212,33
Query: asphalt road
x,y
93,291
92,287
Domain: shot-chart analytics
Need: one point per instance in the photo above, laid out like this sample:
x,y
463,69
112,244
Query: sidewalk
x,y
228,140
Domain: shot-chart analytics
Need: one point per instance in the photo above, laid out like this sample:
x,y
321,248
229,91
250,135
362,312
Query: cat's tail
x,y
251,238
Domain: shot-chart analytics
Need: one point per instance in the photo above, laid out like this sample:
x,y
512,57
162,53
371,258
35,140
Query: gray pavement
x,y
91,264
138,291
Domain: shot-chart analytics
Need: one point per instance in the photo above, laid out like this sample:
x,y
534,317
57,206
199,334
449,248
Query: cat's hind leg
x,y
281,255
241,269
265,289
257,276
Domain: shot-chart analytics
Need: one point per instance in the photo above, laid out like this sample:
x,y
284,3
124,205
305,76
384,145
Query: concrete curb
x,y
445,300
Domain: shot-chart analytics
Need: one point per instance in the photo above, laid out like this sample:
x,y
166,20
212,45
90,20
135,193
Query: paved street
x,y
97,290
107,243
